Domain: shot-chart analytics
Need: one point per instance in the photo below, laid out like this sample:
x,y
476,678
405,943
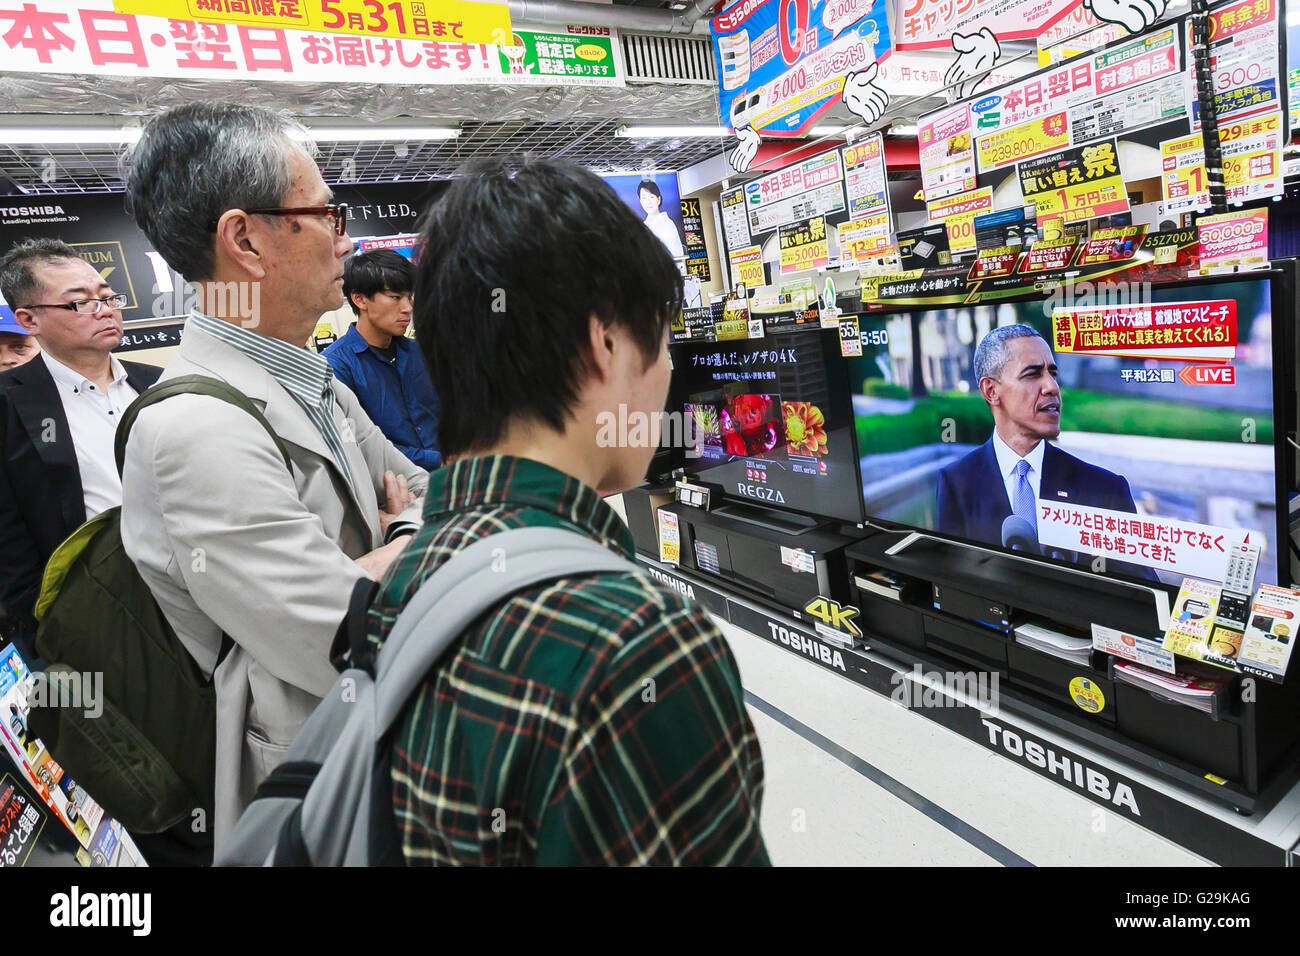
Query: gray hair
x,y
197,161
18,281
993,351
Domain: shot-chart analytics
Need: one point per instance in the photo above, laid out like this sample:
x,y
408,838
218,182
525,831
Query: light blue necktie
x,y
1022,501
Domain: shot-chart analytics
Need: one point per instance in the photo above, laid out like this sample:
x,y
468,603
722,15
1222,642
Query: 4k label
x,y
832,614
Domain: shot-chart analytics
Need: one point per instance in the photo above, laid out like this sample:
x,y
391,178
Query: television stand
x,y
1067,594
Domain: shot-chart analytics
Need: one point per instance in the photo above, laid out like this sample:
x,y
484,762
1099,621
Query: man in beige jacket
x,y
227,538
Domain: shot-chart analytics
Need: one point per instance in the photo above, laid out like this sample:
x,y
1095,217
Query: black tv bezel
x,y
719,491
1284,281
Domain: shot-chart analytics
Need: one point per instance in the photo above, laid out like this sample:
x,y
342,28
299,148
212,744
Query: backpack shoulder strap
x,y
474,581
190,385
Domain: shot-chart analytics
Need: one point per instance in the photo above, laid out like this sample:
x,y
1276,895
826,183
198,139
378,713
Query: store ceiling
x,y
47,170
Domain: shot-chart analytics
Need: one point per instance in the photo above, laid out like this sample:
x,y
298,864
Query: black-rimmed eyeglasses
x,y
85,306
338,212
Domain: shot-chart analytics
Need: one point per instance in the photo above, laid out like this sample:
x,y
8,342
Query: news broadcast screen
x,y
1132,435
771,421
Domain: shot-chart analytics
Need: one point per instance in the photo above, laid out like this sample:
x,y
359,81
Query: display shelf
x,y
1221,822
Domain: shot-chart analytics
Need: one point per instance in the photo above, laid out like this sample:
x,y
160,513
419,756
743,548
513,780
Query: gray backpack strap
x,y
469,584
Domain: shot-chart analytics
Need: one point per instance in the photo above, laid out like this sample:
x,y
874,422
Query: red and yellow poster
x,y
804,245
1049,255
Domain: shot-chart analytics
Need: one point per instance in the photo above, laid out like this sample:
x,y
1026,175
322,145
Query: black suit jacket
x,y
41,498
973,498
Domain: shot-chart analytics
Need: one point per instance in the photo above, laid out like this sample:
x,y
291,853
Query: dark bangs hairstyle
x,y
518,254
370,273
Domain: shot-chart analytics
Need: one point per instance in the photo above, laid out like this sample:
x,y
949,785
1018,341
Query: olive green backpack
x,y
149,759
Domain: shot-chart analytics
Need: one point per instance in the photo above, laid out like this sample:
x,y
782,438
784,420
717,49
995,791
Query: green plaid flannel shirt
x,y
597,720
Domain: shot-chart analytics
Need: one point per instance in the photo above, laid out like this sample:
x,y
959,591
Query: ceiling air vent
x,y
664,59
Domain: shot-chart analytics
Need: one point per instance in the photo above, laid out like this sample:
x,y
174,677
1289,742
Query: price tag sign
x,y
670,538
850,337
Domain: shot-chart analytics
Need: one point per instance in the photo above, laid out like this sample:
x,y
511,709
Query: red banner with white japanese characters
x,y
1205,330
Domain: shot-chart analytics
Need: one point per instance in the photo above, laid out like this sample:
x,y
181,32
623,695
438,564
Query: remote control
x,y
1241,568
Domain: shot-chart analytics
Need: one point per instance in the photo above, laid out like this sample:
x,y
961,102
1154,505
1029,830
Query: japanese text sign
x,y
1202,330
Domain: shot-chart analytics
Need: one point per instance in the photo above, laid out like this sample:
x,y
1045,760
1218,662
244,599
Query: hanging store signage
x,y
781,63
1011,145
1245,59
1235,239
862,240
735,219
804,245
697,253
865,184
88,36
1252,157
452,20
1184,181
1076,184
928,24
747,267
947,153
958,214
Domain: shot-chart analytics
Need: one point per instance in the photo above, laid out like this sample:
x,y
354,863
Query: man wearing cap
x,y
16,346
58,416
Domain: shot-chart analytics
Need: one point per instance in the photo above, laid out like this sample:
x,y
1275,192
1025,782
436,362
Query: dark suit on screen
x,y
973,503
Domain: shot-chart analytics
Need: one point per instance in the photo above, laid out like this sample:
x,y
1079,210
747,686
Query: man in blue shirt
x,y
379,363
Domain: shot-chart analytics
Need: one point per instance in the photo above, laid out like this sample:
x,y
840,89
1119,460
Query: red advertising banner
x,y
1112,245
993,263
1233,239
1205,330
1048,255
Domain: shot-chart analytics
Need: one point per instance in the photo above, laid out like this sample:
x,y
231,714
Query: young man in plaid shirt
x,y
590,720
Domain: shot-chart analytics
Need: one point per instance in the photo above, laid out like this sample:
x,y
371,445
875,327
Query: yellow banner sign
x,y
958,214
450,21
1009,146
747,266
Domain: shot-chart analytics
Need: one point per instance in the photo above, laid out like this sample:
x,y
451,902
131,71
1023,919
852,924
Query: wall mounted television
x,y
774,421
1153,421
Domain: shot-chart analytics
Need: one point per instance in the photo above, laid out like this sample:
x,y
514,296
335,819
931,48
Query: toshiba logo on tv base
x,y
7,212
806,645
681,587
1066,768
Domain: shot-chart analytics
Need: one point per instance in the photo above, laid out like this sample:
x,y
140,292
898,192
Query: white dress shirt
x,y
92,420
1007,461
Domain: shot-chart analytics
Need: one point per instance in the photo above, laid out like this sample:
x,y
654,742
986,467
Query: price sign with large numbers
x,y
1076,184
958,214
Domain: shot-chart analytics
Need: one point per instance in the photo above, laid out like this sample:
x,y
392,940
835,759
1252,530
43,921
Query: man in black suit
x,y
58,416
1006,475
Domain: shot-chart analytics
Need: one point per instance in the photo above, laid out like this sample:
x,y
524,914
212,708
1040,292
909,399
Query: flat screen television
x,y
771,421
1152,424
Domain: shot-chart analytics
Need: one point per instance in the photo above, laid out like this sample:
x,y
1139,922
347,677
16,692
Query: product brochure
x,y
101,839
1190,690
1271,631
1192,621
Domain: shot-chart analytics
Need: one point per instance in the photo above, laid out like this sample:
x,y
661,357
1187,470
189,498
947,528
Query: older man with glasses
x,y
231,541
58,416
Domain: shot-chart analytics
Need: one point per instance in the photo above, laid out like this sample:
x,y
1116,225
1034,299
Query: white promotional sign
x,y
1140,650
1166,544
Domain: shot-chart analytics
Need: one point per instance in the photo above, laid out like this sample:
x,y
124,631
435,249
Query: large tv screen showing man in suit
x,y
1132,436
991,494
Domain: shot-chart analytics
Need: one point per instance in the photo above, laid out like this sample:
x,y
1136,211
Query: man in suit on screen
x,y
983,493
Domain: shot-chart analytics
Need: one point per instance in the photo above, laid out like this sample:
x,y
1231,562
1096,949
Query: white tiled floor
x,y
820,811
